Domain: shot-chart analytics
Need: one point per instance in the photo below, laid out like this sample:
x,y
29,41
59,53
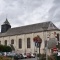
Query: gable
x,y
52,26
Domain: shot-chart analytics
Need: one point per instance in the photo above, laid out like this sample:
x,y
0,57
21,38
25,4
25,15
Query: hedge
x,y
4,48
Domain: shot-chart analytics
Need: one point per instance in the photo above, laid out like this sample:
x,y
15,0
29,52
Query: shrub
x,y
51,58
43,57
38,55
4,48
5,58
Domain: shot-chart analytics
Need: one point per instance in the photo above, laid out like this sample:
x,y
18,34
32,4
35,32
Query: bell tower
x,y
5,26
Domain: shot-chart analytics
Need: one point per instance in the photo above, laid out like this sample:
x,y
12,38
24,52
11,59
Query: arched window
x,y
12,41
0,42
5,42
28,43
20,43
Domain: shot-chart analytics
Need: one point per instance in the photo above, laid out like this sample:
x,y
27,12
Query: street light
x,y
47,46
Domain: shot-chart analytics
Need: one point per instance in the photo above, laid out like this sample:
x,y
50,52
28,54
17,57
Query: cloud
x,y
39,14
18,11
24,12
54,13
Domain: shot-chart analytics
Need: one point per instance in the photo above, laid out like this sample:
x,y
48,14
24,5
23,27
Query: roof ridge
x,y
38,27
32,24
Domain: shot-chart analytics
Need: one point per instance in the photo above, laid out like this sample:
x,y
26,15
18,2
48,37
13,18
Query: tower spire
x,y
5,26
6,22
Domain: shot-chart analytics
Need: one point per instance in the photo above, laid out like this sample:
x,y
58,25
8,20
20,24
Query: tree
x,y
1,48
38,40
12,47
4,48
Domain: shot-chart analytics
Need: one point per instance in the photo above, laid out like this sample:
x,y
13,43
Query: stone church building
x,y
22,37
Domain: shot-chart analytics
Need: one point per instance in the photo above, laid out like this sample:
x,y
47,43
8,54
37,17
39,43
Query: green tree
x,y
4,48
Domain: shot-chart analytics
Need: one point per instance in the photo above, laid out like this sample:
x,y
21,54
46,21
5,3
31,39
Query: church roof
x,y
39,27
6,22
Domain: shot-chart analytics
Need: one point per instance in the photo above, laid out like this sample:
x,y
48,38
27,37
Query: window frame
x,y
28,43
0,42
20,43
12,41
5,42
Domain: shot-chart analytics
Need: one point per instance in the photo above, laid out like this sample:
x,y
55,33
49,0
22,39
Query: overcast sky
x,y
25,12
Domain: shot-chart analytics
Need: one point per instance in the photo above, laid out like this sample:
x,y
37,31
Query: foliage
x,y
5,58
55,56
4,48
37,39
12,47
43,57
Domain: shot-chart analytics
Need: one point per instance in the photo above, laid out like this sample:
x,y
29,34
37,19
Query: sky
x,y
25,12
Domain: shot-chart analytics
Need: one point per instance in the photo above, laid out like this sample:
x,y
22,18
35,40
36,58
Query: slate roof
x,y
6,22
29,29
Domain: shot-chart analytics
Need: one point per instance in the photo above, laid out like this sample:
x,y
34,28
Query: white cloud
x,y
24,12
54,13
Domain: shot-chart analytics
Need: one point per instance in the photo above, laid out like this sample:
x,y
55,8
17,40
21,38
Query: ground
x,y
29,59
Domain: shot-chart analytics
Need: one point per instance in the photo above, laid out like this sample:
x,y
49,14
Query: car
x,y
28,55
58,53
4,53
24,55
0,54
21,56
10,54
16,57
33,55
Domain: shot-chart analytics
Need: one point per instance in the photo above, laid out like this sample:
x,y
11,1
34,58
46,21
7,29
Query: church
x,y
22,37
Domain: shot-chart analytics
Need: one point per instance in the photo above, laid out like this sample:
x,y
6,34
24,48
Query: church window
x,y
5,42
0,42
20,43
28,43
12,41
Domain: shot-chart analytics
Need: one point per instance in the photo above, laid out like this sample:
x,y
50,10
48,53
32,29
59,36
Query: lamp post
x,y
38,40
47,46
47,49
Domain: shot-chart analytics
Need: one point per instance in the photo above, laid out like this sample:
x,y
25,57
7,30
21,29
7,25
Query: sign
x,y
37,44
54,49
